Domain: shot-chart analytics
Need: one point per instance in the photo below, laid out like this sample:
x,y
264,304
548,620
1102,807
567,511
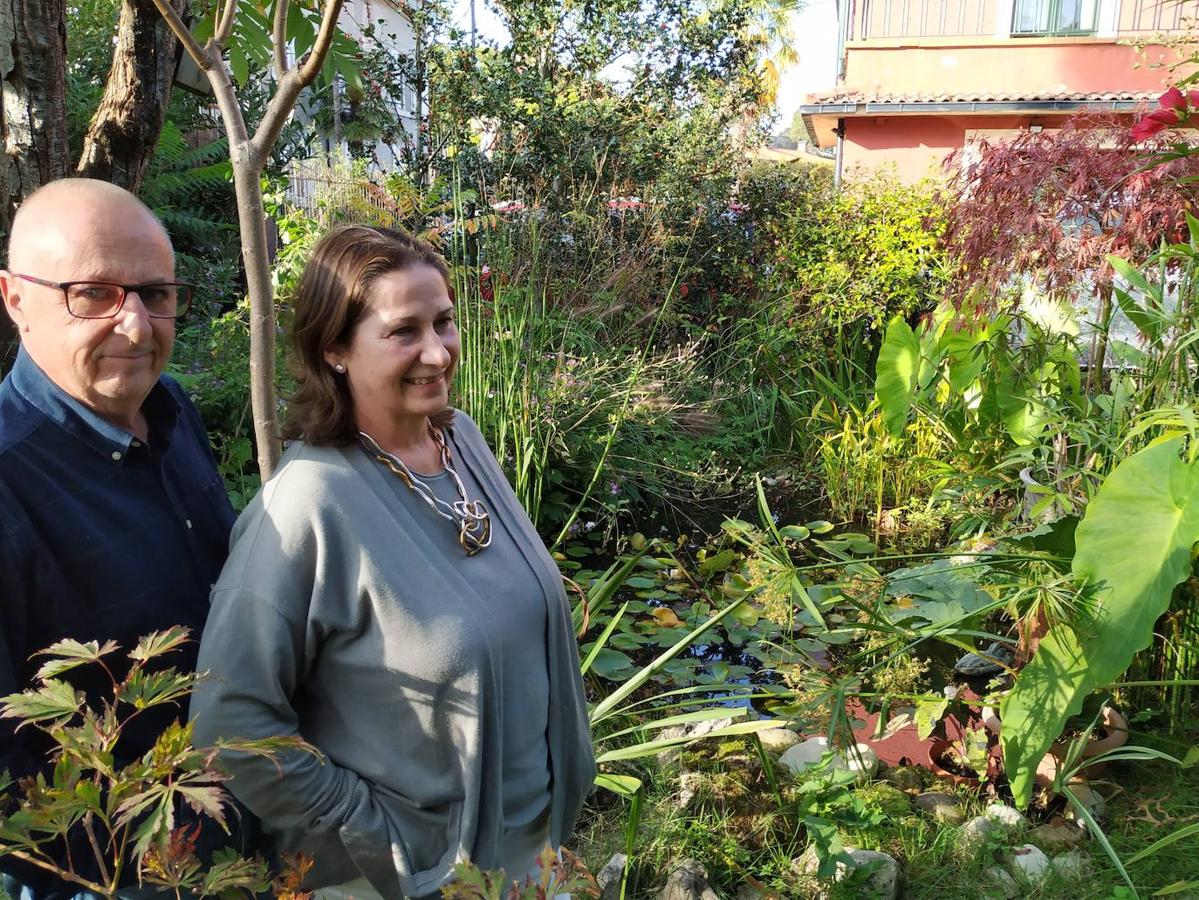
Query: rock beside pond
x,y
907,778
974,834
608,878
1029,864
942,807
778,740
690,784
1090,798
1008,817
863,762
691,732
1058,836
883,881
998,882
1072,866
688,880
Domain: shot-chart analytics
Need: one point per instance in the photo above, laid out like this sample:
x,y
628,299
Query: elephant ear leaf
x,y
1133,548
895,378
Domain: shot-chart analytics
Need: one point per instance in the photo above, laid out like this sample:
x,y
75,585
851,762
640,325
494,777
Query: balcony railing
x,y
926,18
1148,17
1029,18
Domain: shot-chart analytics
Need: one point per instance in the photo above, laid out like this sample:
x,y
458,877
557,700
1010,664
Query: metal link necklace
x,y
469,516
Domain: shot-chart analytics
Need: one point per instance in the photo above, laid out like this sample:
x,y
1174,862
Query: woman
x,y
387,599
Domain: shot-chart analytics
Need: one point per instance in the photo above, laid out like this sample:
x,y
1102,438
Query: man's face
x,y
110,365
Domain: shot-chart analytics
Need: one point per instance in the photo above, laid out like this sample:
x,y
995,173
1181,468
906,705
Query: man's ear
x,y
10,289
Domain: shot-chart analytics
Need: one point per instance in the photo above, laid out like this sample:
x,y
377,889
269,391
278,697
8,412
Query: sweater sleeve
x,y
257,653
255,657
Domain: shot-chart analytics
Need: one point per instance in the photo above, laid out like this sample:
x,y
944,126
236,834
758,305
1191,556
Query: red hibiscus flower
x,y
1174,109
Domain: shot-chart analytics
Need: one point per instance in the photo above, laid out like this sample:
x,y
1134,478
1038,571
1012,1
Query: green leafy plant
x,y
129,813
560,873
1133,548
971,752
868,252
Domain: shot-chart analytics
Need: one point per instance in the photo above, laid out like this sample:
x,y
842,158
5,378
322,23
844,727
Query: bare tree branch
x,y
295,81
324,40
177,25
279,38
50,867
224,29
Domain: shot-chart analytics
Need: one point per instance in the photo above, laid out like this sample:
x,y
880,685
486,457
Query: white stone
x,y
778,740
707,726
1001,882
692,732
1059,836
608,878
1029,864
882,883
863,762
689,785
1010,818
884,880
974,834
688,881
1072,866
942,807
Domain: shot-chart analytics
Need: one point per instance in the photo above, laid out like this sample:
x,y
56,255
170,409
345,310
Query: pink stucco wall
x,y
1004,69
914,146
1013,65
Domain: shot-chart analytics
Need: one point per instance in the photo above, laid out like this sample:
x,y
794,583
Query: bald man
x,y
114,520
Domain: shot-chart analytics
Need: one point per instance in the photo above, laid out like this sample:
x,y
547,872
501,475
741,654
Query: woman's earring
x,y
340,369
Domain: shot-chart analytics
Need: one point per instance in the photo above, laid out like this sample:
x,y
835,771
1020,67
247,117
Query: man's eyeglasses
x,y
101,300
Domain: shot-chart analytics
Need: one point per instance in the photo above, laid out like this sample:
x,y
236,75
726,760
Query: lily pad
x,y
613,665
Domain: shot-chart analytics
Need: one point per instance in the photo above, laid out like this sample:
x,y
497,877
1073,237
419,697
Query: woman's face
x,y
402,354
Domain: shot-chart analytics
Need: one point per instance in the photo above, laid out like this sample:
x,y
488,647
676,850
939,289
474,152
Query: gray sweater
x,y
340,616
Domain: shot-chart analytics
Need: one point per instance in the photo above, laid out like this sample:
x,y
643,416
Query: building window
x,y
1054,17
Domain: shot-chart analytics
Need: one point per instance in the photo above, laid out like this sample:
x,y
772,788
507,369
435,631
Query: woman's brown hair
x,y
332,298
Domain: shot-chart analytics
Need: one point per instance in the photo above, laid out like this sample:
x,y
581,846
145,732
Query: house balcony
x,y
967,21
1019,47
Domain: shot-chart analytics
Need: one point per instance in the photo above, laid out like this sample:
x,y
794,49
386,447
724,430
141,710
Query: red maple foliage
x,y
1050,207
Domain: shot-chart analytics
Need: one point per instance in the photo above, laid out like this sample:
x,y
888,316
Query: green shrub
x,y
865,253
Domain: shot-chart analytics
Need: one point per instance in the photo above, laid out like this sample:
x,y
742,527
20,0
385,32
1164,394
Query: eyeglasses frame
x,y
125,291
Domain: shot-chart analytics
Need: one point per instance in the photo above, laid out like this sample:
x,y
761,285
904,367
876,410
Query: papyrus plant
x,y
126,815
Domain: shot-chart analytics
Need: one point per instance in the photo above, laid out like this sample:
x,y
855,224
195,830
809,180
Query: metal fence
x,y
324,191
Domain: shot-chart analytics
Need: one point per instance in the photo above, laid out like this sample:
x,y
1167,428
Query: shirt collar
x,y
110,441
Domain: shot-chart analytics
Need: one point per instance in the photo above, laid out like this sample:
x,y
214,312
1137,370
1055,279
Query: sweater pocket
x,y
421,846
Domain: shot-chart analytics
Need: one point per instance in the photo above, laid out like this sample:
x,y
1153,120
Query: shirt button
x,y
189,522
116,454
137,443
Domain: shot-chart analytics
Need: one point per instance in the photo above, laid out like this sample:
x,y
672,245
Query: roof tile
x,y
861,96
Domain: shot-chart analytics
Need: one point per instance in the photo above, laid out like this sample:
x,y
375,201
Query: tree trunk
x,y
33,109
1096,372
251,216
122,135
263,393
33,114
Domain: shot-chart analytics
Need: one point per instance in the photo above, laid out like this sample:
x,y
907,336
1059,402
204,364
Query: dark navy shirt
x,y
102,537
